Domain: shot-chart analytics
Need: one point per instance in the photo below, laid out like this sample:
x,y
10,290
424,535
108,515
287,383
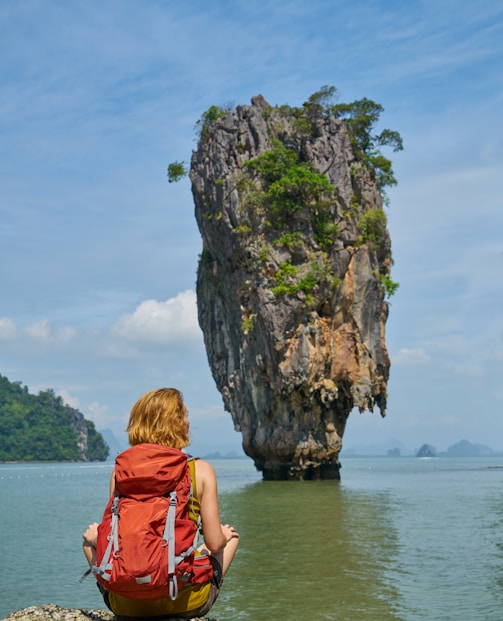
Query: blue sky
x,y
99,253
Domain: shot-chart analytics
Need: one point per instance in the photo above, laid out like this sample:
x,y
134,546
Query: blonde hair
x,y
158,417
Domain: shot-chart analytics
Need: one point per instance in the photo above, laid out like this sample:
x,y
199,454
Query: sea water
x,y
398,539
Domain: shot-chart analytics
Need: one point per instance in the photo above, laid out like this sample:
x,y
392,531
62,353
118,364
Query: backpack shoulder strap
x,y
113,543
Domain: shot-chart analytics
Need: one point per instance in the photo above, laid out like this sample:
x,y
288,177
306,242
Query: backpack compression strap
x,y
113,543
169,537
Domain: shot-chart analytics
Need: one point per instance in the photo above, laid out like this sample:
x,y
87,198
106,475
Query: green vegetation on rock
x,y
360,117
176,171
291,185
42,428
209,117
285,200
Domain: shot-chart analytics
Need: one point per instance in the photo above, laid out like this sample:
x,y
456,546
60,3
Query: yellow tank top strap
x,y
194,504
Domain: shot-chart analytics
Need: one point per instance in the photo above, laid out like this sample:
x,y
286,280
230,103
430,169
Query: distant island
x,y
467,449
394,448
460,449
228,455
427,451
43,428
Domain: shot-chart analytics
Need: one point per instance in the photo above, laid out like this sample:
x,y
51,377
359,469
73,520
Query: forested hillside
x,y
43,428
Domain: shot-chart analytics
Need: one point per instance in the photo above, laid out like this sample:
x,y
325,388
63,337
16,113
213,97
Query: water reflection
x,y
481,579
309,550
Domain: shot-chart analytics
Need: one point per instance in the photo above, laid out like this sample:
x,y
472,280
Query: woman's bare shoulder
x,y
203,468
206,479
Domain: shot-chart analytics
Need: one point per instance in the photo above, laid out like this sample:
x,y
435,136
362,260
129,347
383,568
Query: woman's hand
x,y
91,535
229,532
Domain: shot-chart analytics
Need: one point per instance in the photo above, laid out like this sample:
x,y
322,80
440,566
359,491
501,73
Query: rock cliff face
x,y
290,282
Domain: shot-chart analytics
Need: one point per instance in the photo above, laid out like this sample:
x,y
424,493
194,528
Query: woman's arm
x,y
91,534
216,536
89,543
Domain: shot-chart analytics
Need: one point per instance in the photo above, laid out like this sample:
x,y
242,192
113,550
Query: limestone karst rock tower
x,y
292,280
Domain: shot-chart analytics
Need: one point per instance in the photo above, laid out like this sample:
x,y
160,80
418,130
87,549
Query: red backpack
x,y
146,541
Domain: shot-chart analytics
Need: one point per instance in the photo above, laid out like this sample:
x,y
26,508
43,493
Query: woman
x,y
160,417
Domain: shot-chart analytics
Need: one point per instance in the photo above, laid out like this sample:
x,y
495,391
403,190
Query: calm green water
x,y
398,539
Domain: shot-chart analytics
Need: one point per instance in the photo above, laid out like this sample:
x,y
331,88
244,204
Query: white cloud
x,y
449,420
120,350
103,418
411,356
467,369
99,414
210,413
7,328
161,322
69,399
46,332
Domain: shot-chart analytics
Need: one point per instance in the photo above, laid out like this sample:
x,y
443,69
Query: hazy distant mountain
x,y
229,455
114,444
467,449
394,452
427,450
390,447
395,448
